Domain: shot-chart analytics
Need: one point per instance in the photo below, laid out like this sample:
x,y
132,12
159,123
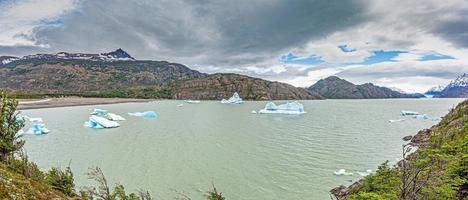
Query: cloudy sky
x,y
412,45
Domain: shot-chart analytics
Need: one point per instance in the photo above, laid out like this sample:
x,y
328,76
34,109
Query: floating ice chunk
x,y
287,108
192,101
99,112
114,117
408,113
366,173
20,118
180,105
35,119
396,120
147,114
100,122
253,112
235,99
37,128
19,134
342,172
105,114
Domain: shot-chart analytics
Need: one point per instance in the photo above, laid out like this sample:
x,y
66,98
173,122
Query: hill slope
x,y
218,86
336,88
437,170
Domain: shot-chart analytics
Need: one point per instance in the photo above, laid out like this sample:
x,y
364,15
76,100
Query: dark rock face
x,y
75,76
219,86
407,138
337,88
341,192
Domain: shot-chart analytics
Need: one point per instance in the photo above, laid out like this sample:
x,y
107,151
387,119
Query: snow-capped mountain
x,y
458,88
117,55
434,91
7,59
398,90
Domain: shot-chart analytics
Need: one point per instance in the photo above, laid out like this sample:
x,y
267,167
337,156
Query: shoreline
x,y
27,104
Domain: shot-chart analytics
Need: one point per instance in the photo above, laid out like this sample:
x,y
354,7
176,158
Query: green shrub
x,y
61,180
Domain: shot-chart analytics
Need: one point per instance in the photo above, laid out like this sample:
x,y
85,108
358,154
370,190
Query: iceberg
x,y
100,122
366,173
395,120
294,108
37,128
105,114
342,172
408,113
235,99
192,101
147,114
253,112
180,105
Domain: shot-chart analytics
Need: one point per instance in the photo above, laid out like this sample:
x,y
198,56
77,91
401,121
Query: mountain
x,y
107,74
434,91
219,86
117,74
334,87
458,88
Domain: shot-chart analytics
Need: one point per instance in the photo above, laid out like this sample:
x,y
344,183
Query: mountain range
x,y
117,74
458,88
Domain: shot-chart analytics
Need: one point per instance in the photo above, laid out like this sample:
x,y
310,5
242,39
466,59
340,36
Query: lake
x,y
247,156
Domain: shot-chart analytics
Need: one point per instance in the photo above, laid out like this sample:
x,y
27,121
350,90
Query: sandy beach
x,y
25,104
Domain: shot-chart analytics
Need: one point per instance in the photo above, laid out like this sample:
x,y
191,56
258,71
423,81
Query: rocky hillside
x,y
219,86
64,73
436,170
337,88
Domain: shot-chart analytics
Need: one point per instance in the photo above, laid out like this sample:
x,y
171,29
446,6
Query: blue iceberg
x,y
147,114
107,115
235,99
37,128
294,107
100,122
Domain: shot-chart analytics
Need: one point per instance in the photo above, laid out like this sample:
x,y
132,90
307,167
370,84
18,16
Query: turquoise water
x,y
247,156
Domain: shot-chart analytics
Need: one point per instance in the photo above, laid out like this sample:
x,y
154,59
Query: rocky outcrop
x,y
219,86
336,88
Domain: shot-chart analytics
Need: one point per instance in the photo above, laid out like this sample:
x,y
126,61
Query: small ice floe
x,y
19,134
107,115
235,99
408,113
253,112
396,120
100,122
294,108
180,105
366,173
342,172
147,114
37,128
192,101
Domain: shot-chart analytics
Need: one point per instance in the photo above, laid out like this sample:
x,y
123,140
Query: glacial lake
x,y
246,156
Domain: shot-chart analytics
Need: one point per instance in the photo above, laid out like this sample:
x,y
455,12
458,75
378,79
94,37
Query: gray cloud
x,y
204,32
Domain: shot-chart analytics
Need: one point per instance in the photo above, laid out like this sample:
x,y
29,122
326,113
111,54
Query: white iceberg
x,y
107,115
342,172
235,99
147,114
100,122
396,120
192,101
37,128
287,108
366,173
408,113
253,112
180,105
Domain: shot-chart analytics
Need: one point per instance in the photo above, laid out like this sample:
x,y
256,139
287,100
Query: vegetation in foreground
x,y
437,170
23,180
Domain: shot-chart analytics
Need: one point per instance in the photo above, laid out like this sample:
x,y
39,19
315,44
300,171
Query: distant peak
x,y
119,53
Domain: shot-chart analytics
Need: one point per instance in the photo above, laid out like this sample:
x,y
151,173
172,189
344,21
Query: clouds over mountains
x,y
428,39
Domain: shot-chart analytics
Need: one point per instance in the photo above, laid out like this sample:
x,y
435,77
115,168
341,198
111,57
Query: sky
x,y
411,45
